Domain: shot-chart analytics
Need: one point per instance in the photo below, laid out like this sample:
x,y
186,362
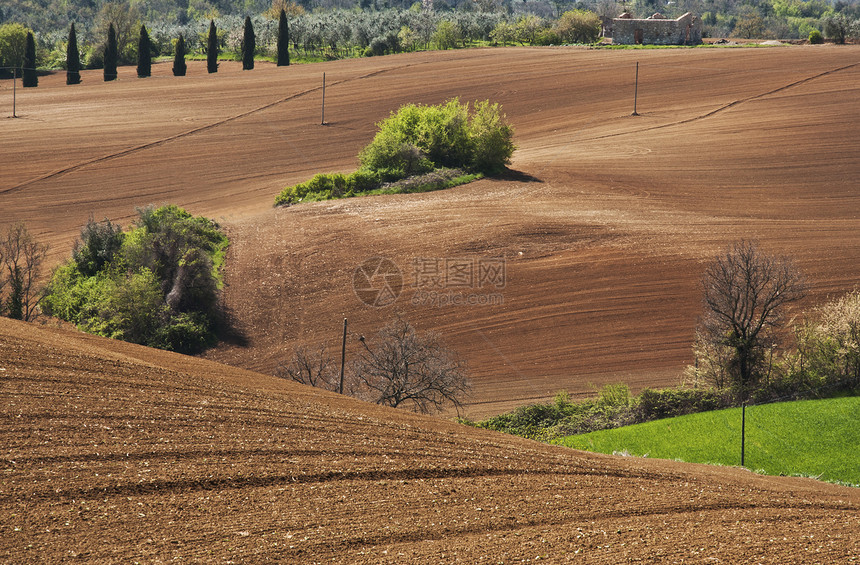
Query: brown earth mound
x,y
604,226
113,453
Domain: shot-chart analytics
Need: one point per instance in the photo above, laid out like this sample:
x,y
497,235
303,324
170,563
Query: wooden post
x,y
342,358
743,430
14,90
636,90
323,102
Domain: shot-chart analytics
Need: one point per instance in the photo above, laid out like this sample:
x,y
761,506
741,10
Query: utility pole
x,y
323,103
636,91
342,358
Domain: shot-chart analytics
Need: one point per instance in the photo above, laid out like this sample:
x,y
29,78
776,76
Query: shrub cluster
x,y
156,285
613,407
416,140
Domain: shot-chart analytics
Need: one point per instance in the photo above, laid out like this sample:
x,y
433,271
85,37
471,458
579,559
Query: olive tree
x,y
405,368
746,296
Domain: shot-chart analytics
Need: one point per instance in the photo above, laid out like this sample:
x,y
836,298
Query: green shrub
x,y
415,141
666,403
815,37
492,139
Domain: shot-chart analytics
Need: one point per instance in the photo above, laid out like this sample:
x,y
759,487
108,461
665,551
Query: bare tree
x,y
22,259
746,294
405,368
310,367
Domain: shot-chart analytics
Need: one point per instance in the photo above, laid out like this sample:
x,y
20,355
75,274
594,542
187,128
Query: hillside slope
x,y
604,228
114,453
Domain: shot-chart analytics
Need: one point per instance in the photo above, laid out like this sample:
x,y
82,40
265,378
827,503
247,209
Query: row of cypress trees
x,y
144,53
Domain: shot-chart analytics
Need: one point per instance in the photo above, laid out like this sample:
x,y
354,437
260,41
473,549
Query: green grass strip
x,y
812,438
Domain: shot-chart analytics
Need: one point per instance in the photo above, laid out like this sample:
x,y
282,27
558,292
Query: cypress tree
x,y
144,54
73,58
283,40
249,45
30,78
110,55
212,49
179,66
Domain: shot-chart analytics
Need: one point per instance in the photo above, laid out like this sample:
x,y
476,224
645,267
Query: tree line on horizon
x,y
346,28
111,57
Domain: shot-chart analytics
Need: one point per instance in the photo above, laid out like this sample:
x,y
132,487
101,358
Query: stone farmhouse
x,y
657,30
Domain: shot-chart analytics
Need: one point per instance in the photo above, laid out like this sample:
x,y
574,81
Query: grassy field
x,y
819,438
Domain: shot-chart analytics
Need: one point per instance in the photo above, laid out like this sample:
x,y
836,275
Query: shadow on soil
x,y
517,176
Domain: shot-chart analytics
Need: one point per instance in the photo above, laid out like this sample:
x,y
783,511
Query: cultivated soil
x,y
604,224
114,453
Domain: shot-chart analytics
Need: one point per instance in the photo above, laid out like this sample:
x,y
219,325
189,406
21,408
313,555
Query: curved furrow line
x,y
181,135
725,106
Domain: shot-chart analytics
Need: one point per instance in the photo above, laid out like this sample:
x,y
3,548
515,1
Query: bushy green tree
x,y
249,45
447,35
13,42
179,65
837,27
110,57
505,32
144,54
578,26
73,58
492,138
283,40
30,79
156,285
99,243
212,49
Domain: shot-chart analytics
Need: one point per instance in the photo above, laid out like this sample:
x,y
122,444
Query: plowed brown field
x,y
113,453
604,228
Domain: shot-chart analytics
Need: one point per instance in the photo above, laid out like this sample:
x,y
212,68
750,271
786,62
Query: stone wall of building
x,y
686,30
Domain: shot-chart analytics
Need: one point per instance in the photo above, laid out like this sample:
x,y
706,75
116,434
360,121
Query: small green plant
x,y
815,37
